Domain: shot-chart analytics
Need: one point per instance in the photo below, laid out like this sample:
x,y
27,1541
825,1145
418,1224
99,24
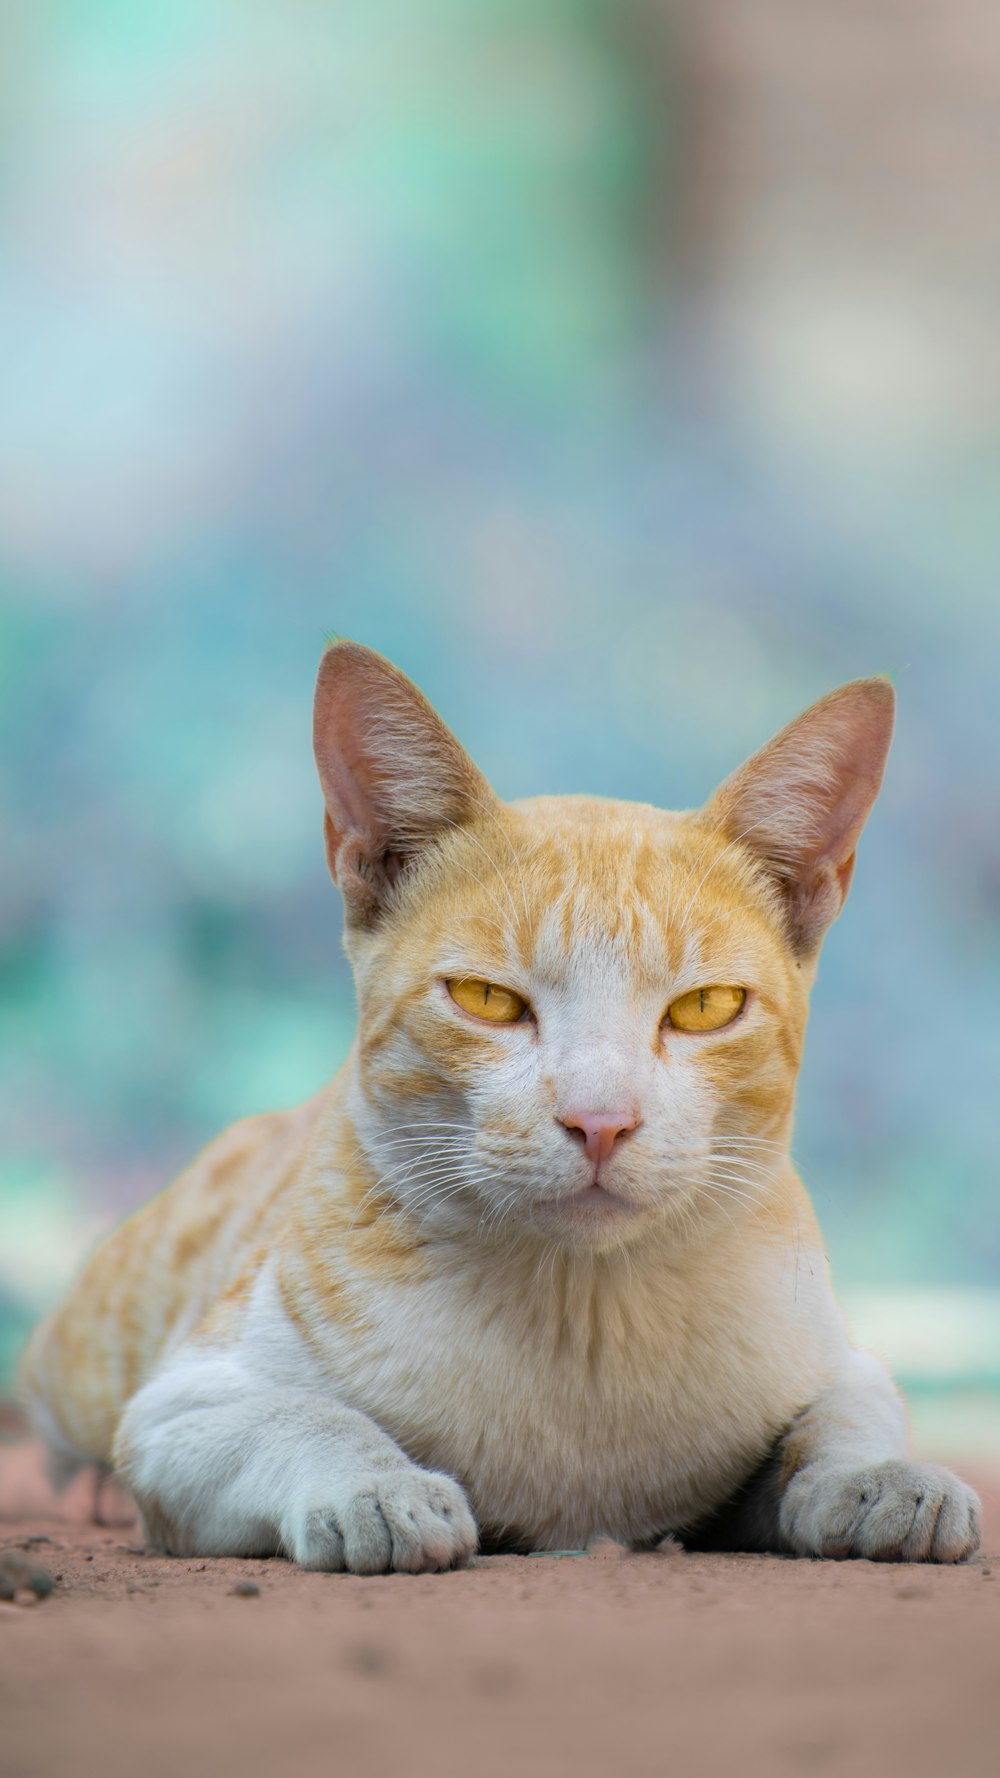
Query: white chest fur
x,y
582,1395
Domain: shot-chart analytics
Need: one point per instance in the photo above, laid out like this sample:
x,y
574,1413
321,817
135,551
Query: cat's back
x,y
154,1278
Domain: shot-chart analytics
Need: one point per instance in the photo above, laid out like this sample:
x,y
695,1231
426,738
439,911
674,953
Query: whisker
x,y
734,1188
750,1141
728,1169
752,1169
415,1126
720,1188
426,1144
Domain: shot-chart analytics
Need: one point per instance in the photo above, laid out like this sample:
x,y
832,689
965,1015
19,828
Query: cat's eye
x,y
705,1009
487,1000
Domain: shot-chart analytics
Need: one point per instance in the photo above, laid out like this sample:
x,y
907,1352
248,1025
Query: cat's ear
x,y
393,776
800,803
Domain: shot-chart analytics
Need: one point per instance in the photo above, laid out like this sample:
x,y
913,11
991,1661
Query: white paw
x,y
404,1518
890,1512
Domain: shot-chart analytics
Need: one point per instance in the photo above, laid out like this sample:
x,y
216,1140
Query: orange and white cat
x,y
536,1266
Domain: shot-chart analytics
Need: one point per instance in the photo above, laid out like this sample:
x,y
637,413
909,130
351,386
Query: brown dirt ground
x,y
553,1667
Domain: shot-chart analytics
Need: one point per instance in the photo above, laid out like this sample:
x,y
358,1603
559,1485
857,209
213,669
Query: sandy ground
x,y
606,1663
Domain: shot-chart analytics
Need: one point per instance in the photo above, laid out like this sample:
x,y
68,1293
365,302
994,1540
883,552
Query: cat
x,y
535,1268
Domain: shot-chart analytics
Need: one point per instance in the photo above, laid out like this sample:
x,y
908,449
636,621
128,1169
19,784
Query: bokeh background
x,y
629,373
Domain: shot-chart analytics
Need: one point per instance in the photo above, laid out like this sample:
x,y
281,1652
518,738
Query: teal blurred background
x,y
629,373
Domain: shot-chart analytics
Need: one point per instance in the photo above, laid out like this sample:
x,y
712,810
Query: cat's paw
x,y
405,1519
890,1512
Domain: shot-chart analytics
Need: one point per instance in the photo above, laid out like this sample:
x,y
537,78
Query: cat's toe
x,y
891,1512
956,1534
367,1538
430,1523
319,1544
352,1535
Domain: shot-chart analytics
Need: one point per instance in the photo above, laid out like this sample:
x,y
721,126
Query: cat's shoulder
x,y
258,1149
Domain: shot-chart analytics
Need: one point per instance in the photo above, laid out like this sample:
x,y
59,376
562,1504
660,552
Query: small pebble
x,y
246,1589
20,1574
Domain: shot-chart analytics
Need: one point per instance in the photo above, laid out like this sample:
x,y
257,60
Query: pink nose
x,y
599,1130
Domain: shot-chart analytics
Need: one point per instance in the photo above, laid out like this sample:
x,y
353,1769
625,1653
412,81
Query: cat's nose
x,y
599,1129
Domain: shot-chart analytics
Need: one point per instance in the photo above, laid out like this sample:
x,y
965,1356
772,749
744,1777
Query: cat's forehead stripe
x,y
660,889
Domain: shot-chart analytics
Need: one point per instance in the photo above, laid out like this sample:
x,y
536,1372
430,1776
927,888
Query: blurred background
x,y
630,374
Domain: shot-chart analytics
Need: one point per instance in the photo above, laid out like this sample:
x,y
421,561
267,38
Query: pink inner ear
x,y
800,803
350,785
368,727
393,775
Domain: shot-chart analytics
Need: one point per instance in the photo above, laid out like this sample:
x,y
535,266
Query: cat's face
x,y
580,1019
588,1113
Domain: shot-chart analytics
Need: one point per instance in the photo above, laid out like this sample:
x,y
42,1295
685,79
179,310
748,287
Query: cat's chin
x,y
588,1215
599,1198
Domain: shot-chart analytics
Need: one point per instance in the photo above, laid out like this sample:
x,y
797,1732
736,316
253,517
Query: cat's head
x,y
579,1017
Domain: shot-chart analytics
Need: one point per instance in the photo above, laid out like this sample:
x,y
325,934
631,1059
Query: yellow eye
x,y
706,1009
498,1006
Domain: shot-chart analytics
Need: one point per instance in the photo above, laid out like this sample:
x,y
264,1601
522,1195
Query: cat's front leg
x,y
222,1464
847,1489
